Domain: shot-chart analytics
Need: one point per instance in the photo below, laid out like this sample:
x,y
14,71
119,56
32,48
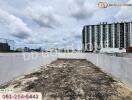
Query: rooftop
x,y
70,79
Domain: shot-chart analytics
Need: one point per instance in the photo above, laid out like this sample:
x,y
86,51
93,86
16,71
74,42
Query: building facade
x,y
4,47
107,36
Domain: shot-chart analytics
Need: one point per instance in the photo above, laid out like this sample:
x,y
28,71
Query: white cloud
x,y
125,12
44,16
54,21
82,9
14,25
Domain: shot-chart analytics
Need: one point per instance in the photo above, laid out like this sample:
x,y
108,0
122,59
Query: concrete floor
x,y
71,79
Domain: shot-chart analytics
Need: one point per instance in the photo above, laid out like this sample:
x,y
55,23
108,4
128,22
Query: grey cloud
x,y
81,9
44,16
14,25
40,40
51,22
43,20
79,15
33,41
80,2
64,39
78,36
21,35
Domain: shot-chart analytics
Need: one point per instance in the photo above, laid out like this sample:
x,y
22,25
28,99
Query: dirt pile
x,y
71,80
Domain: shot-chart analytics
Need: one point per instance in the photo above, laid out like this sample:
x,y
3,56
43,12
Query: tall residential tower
x,y
107,36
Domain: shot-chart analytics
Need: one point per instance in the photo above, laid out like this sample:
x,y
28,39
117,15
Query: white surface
x,y
112,50
13,65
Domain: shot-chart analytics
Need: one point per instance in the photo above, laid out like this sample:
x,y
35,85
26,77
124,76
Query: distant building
x,y
26,49
106,37
4,47
19,50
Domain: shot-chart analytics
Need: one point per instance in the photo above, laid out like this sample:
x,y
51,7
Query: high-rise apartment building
x,y
107,36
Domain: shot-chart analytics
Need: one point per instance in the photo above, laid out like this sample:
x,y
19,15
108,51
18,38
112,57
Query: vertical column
x,y
113,33
85,44
90,37
118,32
125,35
107,32
130,34
101,41
95,36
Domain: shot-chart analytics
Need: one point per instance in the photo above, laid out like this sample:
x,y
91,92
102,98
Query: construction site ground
x,y
71,79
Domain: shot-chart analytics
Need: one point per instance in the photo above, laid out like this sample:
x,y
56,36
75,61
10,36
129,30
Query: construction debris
x,y
71,79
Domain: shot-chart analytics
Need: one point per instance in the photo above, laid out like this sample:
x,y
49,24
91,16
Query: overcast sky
x,y
54,22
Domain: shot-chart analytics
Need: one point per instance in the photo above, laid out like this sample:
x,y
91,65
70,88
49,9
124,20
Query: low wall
x,y
15,64
127,55
118,67
72,55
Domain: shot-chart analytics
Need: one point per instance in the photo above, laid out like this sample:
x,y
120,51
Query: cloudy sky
x,y
54,22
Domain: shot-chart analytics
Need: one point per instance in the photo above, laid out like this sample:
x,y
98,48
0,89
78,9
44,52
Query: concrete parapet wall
x,y
72,55
15,64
